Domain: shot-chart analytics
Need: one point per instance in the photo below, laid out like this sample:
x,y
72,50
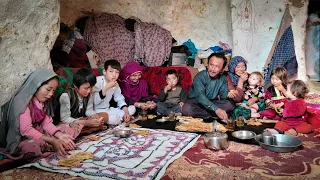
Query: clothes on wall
x,y
152,44
109,38
112,37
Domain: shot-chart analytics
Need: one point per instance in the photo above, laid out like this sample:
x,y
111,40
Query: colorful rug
x,y
313,100
243,161
135,157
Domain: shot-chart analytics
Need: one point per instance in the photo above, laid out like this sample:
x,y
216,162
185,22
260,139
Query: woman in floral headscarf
x,y
236,78
135,89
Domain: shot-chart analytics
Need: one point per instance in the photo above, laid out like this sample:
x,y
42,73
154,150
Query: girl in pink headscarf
x,y
135,89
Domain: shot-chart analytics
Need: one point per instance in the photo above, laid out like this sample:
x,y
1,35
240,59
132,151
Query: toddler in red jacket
x,y
294,113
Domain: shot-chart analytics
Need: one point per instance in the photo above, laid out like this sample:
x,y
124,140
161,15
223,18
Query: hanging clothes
x,y
152,44
109,38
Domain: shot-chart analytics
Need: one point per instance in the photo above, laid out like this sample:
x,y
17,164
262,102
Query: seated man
x,y
208,93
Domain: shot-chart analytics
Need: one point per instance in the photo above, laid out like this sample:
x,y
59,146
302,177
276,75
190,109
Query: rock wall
x,y
28,30
253,37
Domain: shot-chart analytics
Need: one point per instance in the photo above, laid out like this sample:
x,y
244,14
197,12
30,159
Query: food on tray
x,y
188,119
69,162
151,116
142,133
219,127
93,138
133,125
253,123
195,127
82,155
267,121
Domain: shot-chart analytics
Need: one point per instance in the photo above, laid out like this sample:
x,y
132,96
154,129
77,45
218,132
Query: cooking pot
x,y
216,140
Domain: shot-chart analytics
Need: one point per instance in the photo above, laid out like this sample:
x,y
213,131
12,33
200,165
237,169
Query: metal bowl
x,y
162,120
278,142
122,133
243,134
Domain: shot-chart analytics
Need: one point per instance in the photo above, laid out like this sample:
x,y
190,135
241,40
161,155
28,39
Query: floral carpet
x,y
239,161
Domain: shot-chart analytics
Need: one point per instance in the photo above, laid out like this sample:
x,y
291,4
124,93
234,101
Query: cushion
x,y
155,76
313,117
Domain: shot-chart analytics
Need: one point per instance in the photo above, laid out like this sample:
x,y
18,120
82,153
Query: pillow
x,y
313,117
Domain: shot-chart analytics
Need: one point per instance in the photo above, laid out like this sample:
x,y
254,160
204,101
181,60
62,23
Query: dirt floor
x,y
314,86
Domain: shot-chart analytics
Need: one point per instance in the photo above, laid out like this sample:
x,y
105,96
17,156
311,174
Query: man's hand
x,y
221,114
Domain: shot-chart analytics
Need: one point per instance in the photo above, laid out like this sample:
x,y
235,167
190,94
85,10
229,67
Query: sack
x,y
178,58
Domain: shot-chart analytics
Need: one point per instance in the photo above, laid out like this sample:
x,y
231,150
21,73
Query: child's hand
x,y
59,146
281,88
126,117
68,139
95,116
251,101
112,84
167,88
151,104
144,106
93,122
254,91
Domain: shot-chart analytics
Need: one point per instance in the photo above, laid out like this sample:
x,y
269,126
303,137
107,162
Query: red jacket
x,y
294,112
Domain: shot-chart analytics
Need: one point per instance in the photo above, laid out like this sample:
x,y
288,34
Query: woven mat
x,y
135,157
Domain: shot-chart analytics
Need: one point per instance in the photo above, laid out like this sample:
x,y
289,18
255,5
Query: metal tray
x,y
278,142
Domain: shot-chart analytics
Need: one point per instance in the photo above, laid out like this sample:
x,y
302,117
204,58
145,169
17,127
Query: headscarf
x,y
10,112
232,66
131,90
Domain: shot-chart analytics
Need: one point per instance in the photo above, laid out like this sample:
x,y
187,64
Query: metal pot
x,y
216,140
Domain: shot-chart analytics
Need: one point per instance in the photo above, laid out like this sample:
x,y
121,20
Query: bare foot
x,y
291,132
272,131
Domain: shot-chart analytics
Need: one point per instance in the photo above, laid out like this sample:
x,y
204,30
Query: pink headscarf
x,y
131,90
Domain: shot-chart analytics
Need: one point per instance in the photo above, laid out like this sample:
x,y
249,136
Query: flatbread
x,y
82,155
151,116
142,133
93,138
254,123
195,127
267,121
133,125
189,119
70,162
